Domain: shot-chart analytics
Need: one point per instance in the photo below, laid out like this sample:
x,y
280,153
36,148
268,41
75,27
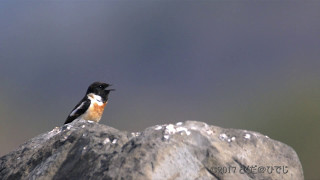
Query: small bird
x,y
92,104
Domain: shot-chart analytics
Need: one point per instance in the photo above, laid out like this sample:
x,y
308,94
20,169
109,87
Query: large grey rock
x,y
189,150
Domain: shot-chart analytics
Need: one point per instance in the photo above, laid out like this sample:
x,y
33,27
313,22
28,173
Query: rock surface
x,y
189,150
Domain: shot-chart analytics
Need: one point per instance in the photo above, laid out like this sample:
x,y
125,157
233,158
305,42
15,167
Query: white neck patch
x,y
95,99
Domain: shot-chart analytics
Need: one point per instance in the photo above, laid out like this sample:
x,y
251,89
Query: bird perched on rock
x,y
92,104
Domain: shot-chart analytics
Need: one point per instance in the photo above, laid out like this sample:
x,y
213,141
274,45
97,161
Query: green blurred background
x,y
235,64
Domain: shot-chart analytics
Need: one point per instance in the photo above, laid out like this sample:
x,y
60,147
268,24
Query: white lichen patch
x,y
158,127
166,136
194,128
209,132
53,132
68,127
179,123
170,129
107,140
183,129
205,125
223,136
114,141
83,126
247,136
64,138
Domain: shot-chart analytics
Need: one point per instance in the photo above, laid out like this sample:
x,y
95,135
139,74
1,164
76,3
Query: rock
x,y
189,150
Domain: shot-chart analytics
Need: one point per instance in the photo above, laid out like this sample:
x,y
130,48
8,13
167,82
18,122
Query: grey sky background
x,y
236,64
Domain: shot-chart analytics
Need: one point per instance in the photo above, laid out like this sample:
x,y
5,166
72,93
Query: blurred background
x,y
235,64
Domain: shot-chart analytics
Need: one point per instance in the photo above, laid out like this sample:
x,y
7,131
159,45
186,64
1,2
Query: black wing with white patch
x,y
80,109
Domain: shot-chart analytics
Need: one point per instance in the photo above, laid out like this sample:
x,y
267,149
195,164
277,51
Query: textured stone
x,y
189,150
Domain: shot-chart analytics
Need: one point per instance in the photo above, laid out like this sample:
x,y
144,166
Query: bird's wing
x,y
78,110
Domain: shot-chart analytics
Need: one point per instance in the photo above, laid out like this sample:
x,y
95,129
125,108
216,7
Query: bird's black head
x,y
99,88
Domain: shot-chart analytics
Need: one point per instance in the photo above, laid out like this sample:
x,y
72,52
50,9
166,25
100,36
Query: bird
x,y
92,105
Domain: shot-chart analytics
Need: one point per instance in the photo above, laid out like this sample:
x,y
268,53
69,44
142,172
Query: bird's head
x,y
99,88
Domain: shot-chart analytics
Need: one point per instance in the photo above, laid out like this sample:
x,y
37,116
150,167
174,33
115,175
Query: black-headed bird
x,y
92,104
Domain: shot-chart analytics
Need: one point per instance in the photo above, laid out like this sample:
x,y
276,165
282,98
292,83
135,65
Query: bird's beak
x,y
109,89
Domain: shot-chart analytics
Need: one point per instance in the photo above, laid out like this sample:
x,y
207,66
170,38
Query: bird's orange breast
x,y
95,111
